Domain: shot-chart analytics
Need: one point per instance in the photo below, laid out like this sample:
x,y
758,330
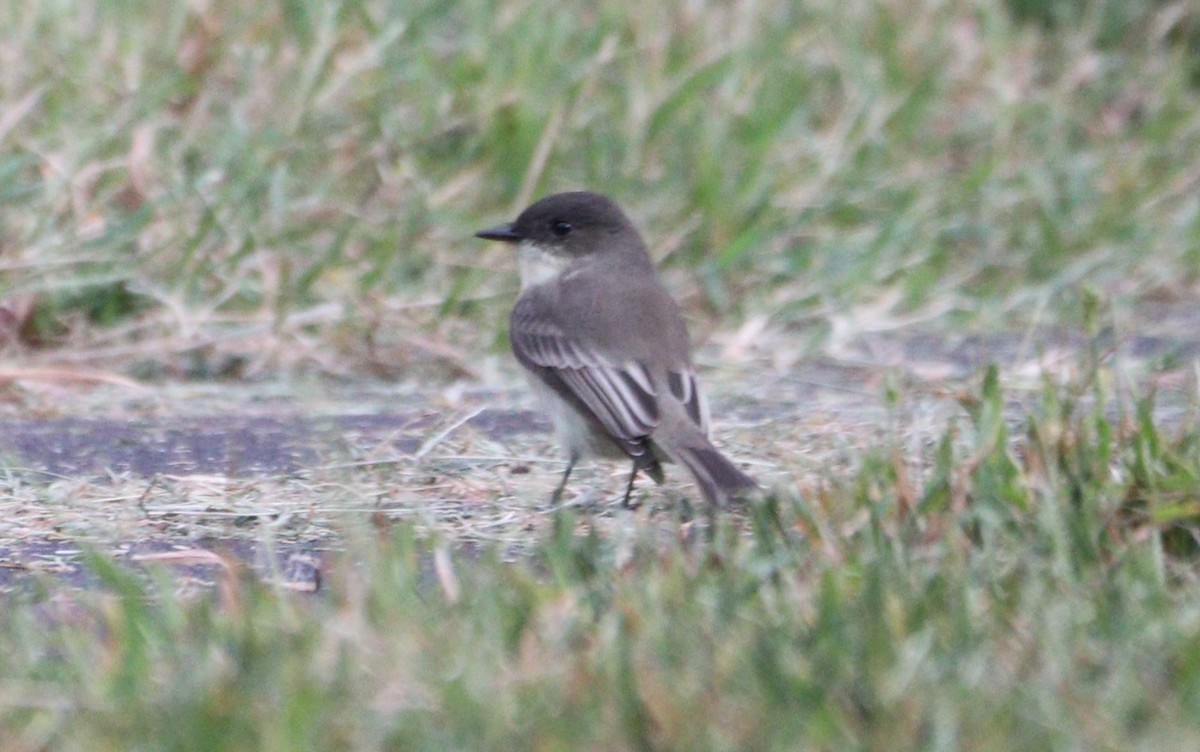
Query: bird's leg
x,y
629,486
562,484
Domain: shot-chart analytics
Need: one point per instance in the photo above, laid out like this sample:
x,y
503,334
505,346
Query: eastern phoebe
x,y
606,346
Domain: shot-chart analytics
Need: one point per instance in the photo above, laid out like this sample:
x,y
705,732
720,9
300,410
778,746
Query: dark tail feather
x,y
718,478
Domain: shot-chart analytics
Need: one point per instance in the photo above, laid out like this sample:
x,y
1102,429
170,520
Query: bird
x,y
606,348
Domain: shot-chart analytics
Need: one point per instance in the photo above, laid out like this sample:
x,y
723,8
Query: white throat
x,y
538,266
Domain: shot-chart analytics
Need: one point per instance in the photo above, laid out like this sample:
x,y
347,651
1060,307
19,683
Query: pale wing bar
x,y
622,398
684,388
626,413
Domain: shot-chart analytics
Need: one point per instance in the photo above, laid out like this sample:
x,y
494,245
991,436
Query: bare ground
x,y
195,477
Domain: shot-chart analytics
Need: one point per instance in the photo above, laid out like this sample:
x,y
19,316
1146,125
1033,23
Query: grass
x,y
1033,585
251,192
219,188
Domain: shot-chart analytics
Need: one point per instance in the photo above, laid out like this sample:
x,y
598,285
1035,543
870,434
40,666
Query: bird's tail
x,y
719,479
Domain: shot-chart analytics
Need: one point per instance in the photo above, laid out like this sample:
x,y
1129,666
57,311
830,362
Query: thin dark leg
x,y
629,486
562,484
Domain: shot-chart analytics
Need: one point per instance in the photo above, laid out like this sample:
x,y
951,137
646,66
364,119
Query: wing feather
x,y
619,396
684,388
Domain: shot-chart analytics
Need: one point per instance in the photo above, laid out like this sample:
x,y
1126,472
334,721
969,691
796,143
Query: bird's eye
x,y
560,228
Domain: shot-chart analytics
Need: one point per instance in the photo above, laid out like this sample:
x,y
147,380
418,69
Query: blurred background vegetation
x,y
221,188
218,187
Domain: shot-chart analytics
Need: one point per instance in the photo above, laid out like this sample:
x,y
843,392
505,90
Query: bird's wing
x,y
620,396
685,388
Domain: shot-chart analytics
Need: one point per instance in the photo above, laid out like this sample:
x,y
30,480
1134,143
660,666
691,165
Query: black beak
x,y
503,233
